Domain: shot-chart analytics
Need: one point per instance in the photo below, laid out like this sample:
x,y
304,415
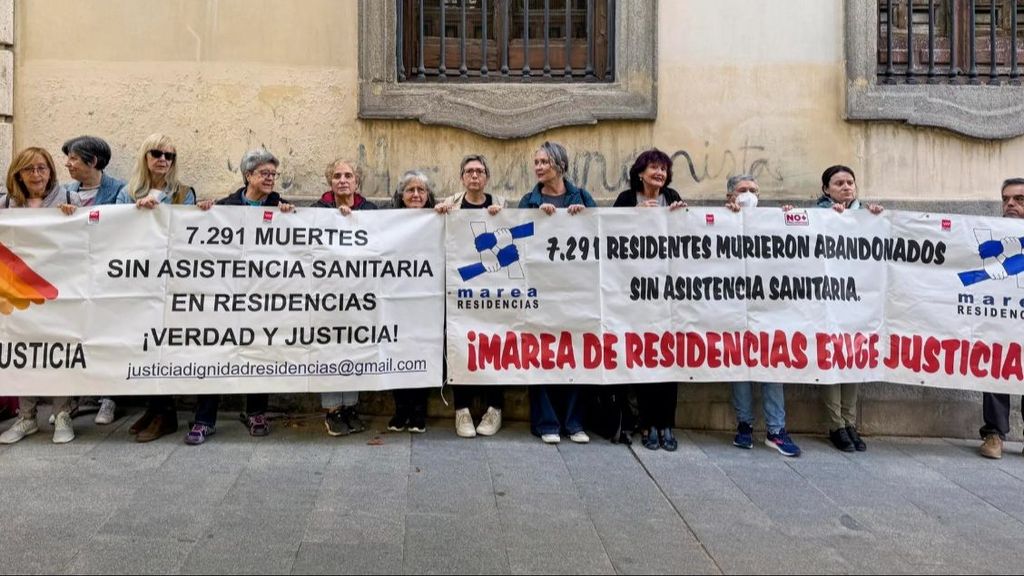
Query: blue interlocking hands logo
x,y
497,250
1000,258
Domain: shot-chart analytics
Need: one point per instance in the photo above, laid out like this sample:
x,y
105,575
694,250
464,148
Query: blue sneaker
x,y
744,436
783,443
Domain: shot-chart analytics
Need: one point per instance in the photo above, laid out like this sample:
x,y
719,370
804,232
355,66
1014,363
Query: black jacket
x,y
238,199
627,199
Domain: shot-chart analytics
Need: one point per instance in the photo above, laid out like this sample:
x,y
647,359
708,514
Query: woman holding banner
x,y
474,174
414,191
345,179
649,179
259,170
154,182
554,409
839,192
32,183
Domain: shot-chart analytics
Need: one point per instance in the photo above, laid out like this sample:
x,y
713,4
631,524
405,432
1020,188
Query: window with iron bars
x,y
950,41
505,40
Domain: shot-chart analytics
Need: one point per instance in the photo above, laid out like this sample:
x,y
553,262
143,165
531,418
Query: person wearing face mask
x,y
742,191
345,178
839,192
475,173
996,407
415,192
32,183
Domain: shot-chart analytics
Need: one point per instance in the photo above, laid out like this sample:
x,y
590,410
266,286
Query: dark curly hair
x,y
645,159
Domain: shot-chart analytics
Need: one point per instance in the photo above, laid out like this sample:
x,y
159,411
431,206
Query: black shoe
x,y
841,440
858,442
668,441
649,438
623,439
336,424
351,418
398,422
417,424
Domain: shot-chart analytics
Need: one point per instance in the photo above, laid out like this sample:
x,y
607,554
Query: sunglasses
x,y
158,154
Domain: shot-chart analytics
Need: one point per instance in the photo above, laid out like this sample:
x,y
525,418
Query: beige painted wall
x,y
744,85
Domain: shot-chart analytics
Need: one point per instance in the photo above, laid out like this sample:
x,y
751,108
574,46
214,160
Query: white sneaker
x,y
580,437
62,430
22,427
464,423
550,438
490,423
106,413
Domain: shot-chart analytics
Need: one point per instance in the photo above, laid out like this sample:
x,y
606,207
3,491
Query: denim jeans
x,y
332,400
773,398
554,408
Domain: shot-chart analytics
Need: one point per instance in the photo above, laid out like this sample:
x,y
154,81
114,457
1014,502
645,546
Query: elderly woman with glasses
x,y
259,174
345,178
475,174
414,191
32,183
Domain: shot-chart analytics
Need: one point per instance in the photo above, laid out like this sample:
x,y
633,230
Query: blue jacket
x,y
112,191
573,195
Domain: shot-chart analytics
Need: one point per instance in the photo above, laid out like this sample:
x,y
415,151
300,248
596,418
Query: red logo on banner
x,y
268,217
947,224
20,286
797,218
710,219
94,217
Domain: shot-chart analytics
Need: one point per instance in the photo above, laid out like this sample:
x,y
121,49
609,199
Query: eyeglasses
x,y
39,169
268,174
158,154
475,172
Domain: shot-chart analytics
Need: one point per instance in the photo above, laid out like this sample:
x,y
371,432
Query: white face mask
x,y
747,200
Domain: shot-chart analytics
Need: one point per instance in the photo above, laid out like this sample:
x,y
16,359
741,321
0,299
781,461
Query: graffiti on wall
x,y
603,173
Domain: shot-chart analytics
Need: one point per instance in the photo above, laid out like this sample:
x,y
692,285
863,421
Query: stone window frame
x,y
981,111
510,109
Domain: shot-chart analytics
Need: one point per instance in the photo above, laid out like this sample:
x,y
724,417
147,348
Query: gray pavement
x,y
301,502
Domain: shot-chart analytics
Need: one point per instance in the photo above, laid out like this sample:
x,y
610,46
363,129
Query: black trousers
x,y
493,395
411,401
996,411
206,407
657,404
160,403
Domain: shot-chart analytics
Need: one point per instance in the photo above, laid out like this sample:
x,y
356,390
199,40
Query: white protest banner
x,y
811,296
116,300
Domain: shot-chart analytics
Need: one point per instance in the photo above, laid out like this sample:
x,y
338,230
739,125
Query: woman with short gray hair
x,y
553,189
259,175
413,191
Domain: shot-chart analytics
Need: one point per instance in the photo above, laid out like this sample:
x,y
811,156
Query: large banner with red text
x,y
810,296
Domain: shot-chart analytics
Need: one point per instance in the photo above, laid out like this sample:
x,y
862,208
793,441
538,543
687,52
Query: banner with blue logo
x,y
811,296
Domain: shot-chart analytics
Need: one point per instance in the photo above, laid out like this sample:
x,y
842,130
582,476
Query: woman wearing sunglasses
x,y
154,182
